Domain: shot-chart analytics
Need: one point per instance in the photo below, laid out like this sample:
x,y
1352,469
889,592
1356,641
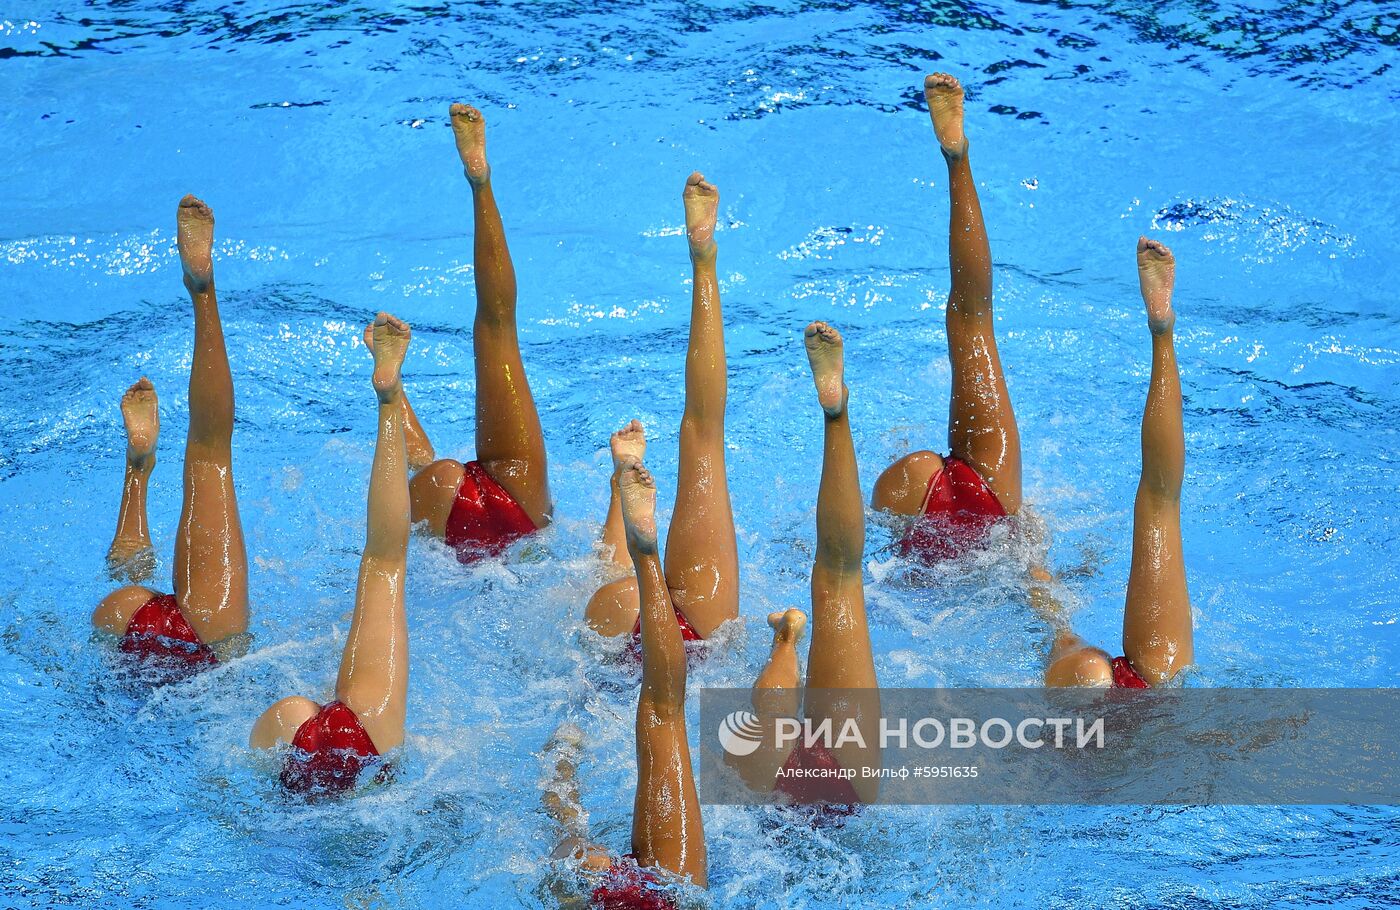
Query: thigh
x,y
1157,626
702,558
982,427
211,563
613,609
903,487
114,613
280,723
433,491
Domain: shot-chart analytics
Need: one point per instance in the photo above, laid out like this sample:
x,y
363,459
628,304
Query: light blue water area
x,y
1258,140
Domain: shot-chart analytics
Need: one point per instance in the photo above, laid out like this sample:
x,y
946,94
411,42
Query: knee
x,y
433,490
903,486
613,609
114,613
279,723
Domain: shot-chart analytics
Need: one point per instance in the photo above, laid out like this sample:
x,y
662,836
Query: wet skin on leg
x,y
1157,634
509,440
1157,625
702,556
982,427
666,826
774,696
131,556
840,657
211,564
614,607
373,680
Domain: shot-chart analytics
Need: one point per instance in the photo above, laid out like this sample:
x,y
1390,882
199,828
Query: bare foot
x,y
824,352
1156,275
631,440
469,126
391,336
637,489
788,625
141,415
701,206
194,223
945,105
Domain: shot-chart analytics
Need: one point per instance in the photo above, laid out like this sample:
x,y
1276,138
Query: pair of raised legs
x,y
509,441
373,679
702,561
841,682
1157,623
981,424
211,565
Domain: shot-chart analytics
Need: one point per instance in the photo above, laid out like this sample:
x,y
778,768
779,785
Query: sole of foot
x,y
1156,277
141,417
825,354
637,490
630,441
469,128
944,95
391,337
701,199
194,222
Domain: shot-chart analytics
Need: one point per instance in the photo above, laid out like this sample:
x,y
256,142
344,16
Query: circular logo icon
x,y
740,733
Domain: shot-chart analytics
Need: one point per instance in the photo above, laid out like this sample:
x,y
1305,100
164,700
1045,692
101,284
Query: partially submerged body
x,y
208,609
951,500
1157,625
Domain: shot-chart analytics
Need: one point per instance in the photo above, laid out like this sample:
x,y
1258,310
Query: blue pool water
x,y
1258,140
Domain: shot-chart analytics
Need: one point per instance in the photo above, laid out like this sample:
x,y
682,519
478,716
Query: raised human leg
x,y
373,679
131,556
614,607
840,660
1157,635
702,556
981,425
420,447
509,440
775,695
666,825
211,564
630,440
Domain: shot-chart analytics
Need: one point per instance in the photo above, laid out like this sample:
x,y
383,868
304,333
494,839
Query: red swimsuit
x,y
1125,677
688,633
833,792
485,519
328,752
159,632
629,887
958,509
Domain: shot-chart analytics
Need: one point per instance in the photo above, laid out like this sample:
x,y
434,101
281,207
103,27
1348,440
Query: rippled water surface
x,y
1258,140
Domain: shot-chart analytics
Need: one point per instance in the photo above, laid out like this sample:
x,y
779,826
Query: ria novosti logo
x,y
740,733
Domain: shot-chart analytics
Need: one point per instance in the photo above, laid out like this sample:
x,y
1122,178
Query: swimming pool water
x,y
1257,139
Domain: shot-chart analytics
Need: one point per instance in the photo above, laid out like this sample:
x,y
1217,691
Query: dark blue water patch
x,y
1303,41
